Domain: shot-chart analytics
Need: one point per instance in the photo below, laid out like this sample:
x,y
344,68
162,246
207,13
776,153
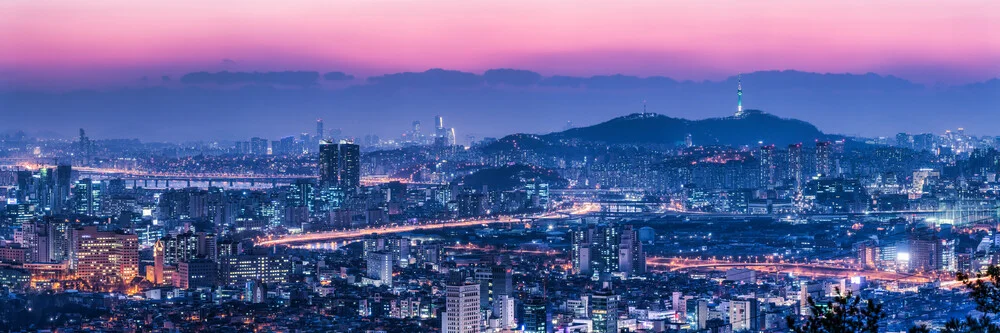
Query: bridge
x,y
157,179
805,269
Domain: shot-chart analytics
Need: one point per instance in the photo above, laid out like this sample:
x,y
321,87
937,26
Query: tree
x,y
984,289
971,325
844,314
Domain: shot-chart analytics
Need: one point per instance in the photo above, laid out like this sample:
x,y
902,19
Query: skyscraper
x,y
339,165
462,309
87,197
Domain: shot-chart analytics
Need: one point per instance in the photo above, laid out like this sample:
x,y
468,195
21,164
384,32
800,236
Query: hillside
x,y
650,128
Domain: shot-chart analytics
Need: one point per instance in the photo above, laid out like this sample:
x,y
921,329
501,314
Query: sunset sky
x,y
54,42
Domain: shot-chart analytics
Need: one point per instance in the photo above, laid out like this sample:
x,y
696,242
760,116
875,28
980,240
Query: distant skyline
x,y
60,44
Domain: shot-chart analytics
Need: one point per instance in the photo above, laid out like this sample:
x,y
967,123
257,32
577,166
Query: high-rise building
x,y
105,257
606,251
743,315
604,311
462,309
535,316
503,309
767,166
87,197
339,165
258,146
380,268
299,203
631,257
64,176
494,281
581,250
794,172
170,251
824,162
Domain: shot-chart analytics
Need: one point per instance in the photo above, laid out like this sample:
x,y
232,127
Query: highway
x,y
358,233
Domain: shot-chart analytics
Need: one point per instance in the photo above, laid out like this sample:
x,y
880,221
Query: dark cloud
x,y
165,78
290,78
338,76
513,77
431,78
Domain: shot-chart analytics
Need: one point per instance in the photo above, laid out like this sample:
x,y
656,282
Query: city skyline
x,y
447,166
276,104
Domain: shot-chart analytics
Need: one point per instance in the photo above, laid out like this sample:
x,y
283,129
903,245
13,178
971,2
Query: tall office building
x,y
87,197
462,309
105,257
339,165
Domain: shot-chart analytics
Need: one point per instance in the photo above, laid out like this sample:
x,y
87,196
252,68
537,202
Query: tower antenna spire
x,y
739,95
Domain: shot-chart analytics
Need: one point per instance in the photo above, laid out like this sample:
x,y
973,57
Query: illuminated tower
x,y
739,95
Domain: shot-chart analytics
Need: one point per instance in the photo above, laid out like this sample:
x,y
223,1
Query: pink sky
x,y
82,41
